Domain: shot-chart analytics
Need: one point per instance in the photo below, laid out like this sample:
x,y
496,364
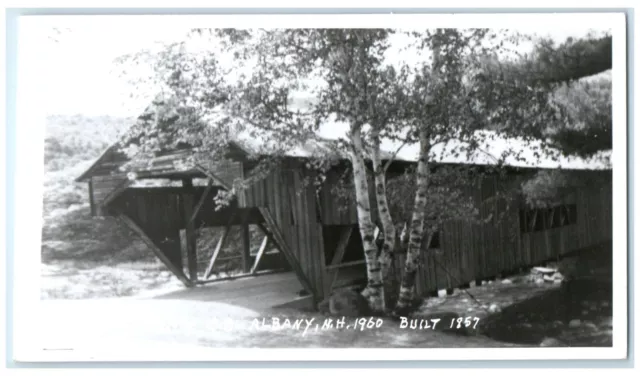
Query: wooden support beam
x,y
190,233
228,258
198,206
213,176
272,240
246,246
277,234
266,232
216,251
116,192
263,247
156,250
92,203
239,276
219,246
338,255
346,264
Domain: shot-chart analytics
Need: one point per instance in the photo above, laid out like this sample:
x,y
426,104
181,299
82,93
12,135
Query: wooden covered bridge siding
x,y
471,251
306,223
293,206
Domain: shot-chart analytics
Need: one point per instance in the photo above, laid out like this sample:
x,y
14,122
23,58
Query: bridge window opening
x,y
435,241
542,219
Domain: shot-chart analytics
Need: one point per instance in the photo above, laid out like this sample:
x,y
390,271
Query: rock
x,y
442,293
589,325
507,281
543,270
494,308
551,342
575,323
345,303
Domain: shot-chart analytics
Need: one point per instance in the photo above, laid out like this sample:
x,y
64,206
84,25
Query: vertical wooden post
x,y
246,248
190,233
91,200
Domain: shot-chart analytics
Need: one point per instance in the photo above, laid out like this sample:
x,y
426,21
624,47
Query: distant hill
x,y
74,139
72,143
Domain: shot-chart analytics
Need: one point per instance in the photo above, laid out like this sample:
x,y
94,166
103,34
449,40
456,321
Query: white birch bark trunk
x,y
374,292
388,227
416,234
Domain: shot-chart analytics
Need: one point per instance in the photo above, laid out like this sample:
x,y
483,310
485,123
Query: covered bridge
x,y
317,236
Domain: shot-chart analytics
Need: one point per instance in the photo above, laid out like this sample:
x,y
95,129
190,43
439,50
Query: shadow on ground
x,y
578,313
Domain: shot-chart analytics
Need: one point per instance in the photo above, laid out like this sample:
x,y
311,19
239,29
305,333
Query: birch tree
x,y
282,85
450,100
351,61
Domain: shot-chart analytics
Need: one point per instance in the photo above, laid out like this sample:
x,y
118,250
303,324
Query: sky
x,y
74,71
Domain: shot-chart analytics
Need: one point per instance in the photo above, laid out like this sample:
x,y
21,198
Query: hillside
x,y
72,143
80,253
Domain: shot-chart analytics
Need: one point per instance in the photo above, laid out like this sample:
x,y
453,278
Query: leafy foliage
x,y
578,119
448,200
572,59
572,111
283,84
587,105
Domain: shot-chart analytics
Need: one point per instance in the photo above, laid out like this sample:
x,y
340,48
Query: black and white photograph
x,y
322,184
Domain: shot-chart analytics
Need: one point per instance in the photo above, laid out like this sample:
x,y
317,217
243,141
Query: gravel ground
x,y
514,311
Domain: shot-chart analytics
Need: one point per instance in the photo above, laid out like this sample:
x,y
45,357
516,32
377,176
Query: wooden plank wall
x,y
293,205
470,252
341,211
101,187
161,207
